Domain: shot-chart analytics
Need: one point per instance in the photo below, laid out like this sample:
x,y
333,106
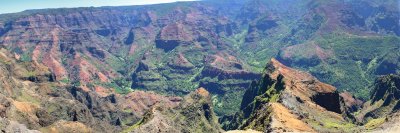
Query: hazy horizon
x,y
8,6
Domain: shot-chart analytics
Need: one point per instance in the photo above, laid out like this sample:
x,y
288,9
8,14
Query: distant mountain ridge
x,y
283,100
144,47
171,50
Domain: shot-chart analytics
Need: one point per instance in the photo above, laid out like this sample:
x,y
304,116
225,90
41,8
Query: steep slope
x,y
168,48
194,114
390,124
220,45
32,100
288,100
356,42
382,111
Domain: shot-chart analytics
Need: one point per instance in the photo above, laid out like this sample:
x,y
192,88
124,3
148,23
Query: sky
x,y
11,6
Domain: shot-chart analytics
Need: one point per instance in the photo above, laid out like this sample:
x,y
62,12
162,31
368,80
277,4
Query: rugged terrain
x,y
171,50
283,100
289,100
194,114
32,101
138,68
382,111
220,45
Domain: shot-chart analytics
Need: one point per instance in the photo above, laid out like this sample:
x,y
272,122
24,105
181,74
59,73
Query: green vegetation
x,y
64,80
349,59
2,61
25,56
131,128
26,97
354,64
338,125
120,85
374,123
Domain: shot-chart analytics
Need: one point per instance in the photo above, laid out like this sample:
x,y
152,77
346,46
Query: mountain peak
x,y
276,68
286,97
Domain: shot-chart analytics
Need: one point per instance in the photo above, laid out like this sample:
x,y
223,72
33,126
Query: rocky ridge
x,y
288,100
382,111
32,100
66,68
175,48
194,114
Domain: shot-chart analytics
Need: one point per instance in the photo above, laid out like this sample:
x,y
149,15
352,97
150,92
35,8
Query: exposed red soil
x,y
284,119
51,58
103,78
103,91
36,53
140,101
350,100
298,77
309,50
133,49
203,92
176,31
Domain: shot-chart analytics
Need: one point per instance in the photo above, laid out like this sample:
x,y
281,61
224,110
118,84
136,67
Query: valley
x,y
203,66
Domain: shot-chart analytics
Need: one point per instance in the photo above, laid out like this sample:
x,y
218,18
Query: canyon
x,y
203,66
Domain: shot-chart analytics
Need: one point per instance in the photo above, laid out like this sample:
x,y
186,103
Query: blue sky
x,y
10,6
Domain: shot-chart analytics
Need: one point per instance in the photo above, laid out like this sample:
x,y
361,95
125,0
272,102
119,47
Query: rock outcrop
x,y
194,114
381,112
288,100
32,101
81,69
184,44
